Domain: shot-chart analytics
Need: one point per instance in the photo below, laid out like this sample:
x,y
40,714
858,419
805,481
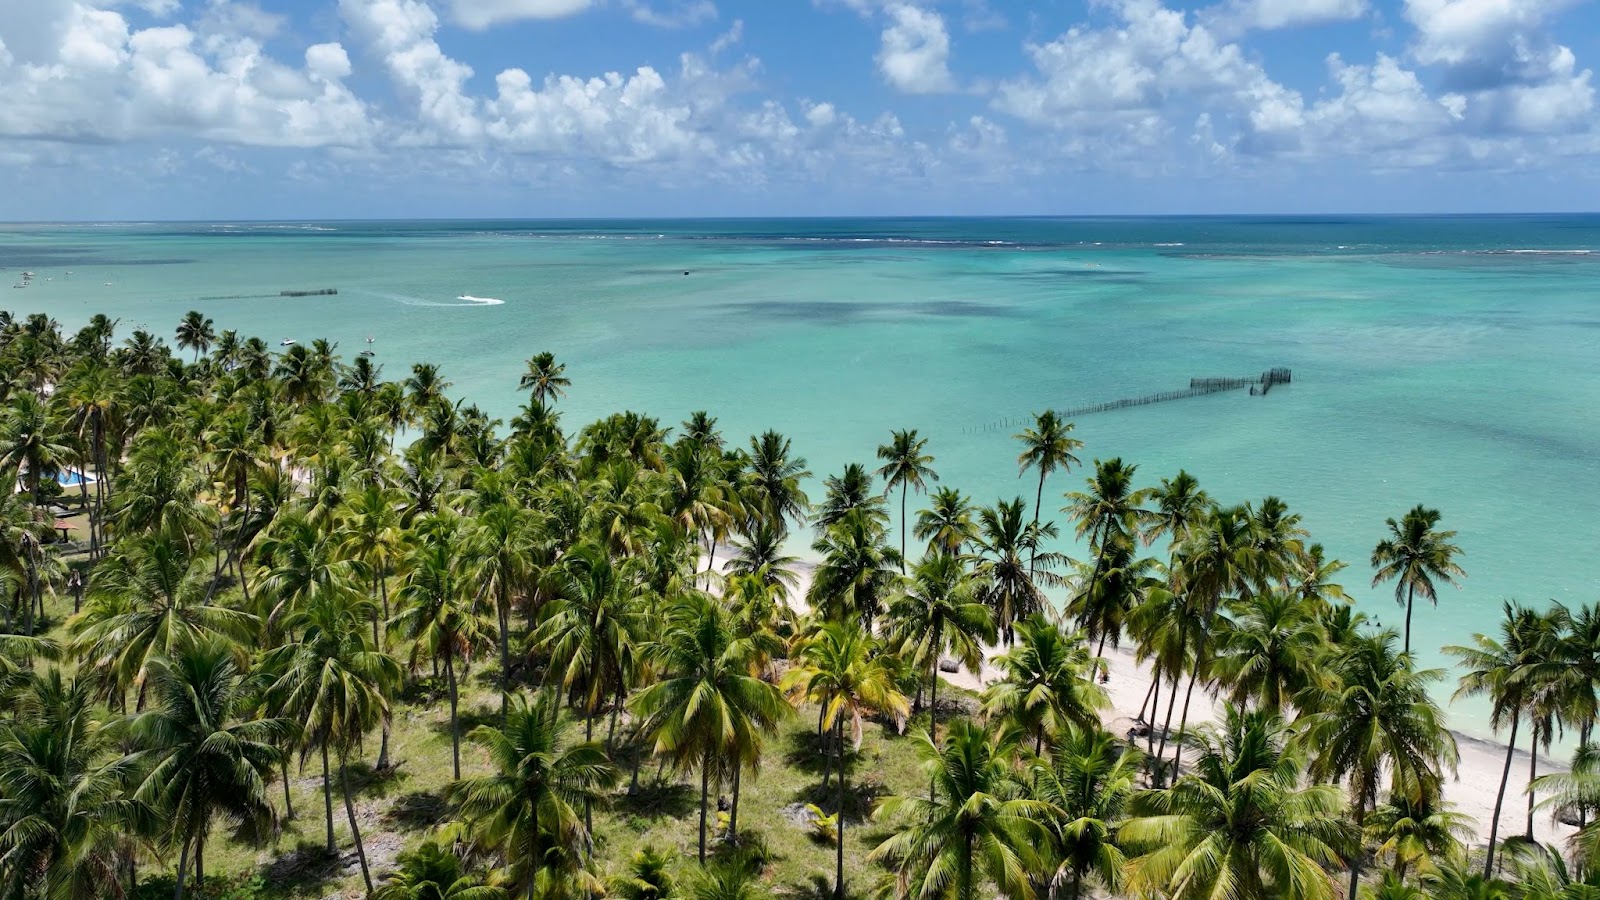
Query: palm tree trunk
x,y
383,745
1410,595
1355,858
200,858
1038,501
355,829
1172,703
1147,694
903,527
535,858
1183,721
183,866
838,865
455,727
1500,796
705,793
1533,772
733,813
504,612
288,805
327,796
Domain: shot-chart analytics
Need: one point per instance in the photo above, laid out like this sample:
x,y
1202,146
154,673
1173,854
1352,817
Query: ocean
x,y
1451,361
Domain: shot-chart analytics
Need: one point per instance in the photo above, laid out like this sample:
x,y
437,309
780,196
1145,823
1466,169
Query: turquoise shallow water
x,y
1450,361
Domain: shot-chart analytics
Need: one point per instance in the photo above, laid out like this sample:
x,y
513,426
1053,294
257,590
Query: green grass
x,y
402,807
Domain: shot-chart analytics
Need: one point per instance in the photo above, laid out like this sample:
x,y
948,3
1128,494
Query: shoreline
x,y
1471,791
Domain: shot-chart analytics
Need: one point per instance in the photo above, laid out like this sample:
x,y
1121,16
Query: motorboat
x,y
286,342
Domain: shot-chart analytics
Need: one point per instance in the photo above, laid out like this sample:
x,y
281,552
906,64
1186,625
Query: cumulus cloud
x,y
915,53
481,14
401,34
89,77
677,14
1269,14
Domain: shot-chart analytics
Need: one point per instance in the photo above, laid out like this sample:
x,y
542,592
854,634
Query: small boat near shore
x,y
287,342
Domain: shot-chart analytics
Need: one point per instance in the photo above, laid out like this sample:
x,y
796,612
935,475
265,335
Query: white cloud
x,y
481,14
1271,14
1456,32
400,33
916,51
676,14
620,120
89,77
729,38
1148,69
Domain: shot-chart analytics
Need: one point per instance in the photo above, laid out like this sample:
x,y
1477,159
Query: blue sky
x,y
134,109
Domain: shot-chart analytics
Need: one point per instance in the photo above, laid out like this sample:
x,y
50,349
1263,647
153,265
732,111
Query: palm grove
x,y
285,560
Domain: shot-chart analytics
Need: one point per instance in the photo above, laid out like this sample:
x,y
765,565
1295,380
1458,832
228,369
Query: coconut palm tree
x,y
335,683
33,443
438,612
196,331
1046,447
847,491
592,628
775,479
858,571
1500,669
1242,824
1375,716
838,668
1414,556
908,466
979,825
200,759
937,613
947,524
1410,832
1109,513
1087,784
1013,568
64,801
760,555
526,808
648,877
1269,650
710,711
503,545
149,599
1542,874
1049,683
545,378
1180,505
1110,588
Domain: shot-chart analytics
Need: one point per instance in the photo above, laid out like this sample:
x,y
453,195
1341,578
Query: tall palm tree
x,y
710,711
33,443
200,759
502,544
545,378
196,331
1109,513
592,628
1241,825
947,524
527,806
775,479
1049,683
438,613
849,490
149,599
1046,447
1414,556
1109,589
63,793
1269,650
979,825
335,683
1500,669
1375,716
838,668
906,465
938,612
1012,566
1180,505
1087,784
857,572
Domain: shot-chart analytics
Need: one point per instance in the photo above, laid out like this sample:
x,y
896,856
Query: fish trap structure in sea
x,y
1259,385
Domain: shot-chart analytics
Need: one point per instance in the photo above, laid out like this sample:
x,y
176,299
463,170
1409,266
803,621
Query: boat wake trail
x,y
464,300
